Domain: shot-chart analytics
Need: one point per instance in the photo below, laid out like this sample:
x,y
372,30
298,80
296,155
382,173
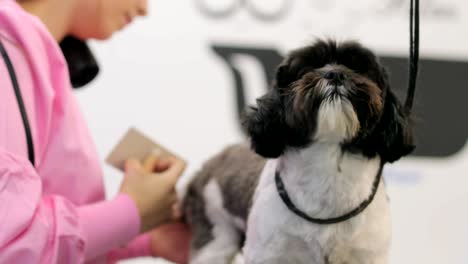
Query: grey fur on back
x,y
237,170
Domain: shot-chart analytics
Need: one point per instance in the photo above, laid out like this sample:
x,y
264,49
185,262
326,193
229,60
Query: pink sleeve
x,y
51,229
139,247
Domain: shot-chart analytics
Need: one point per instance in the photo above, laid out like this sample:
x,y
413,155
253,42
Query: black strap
x,y
414,54
327,221
19,99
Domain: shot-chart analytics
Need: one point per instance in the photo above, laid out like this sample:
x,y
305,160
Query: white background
x,y
161,76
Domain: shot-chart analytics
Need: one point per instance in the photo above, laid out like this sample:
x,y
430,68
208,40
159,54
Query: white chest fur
x,y
324,182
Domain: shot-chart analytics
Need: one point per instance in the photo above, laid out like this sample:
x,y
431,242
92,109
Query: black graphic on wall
x,y
440,107
268,59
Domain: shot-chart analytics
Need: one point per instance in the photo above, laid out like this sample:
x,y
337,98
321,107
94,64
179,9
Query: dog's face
x,y
329,92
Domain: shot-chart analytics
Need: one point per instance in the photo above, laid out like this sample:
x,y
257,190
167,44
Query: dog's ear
x,y
395,130
265,125
287,71
284,76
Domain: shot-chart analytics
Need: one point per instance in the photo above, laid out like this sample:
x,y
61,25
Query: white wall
x,y
161,76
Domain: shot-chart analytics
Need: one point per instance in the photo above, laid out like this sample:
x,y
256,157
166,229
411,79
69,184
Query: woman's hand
x,y
171,242
154,193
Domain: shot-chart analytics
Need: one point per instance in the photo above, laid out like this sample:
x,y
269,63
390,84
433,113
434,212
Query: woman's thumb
x,y
176,169
132,165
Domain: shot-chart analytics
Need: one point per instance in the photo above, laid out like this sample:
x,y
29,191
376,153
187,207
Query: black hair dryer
x,y
82,65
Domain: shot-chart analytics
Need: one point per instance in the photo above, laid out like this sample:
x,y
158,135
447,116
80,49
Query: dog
x,y
309,188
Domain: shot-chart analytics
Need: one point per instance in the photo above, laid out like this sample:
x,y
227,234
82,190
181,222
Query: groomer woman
x,y
52,207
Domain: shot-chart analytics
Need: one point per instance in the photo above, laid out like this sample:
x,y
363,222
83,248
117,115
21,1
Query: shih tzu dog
x,y
310,190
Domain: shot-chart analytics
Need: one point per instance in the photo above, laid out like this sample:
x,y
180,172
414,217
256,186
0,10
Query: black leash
x,y
19,99
413,76
413,55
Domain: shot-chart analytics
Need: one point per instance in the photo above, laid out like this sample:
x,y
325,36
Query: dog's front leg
x,y
272,237
281,250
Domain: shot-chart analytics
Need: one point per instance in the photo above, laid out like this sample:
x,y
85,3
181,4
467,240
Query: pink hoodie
x,y
54,212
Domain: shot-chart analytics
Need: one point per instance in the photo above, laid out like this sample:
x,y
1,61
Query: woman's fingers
x,y
150,163
162,165
175,170
176,211
132,166
156,162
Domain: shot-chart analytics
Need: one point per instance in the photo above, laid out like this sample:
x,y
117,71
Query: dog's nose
x,y
334,76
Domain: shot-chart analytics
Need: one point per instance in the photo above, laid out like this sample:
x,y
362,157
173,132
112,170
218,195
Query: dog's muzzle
x,y
334,77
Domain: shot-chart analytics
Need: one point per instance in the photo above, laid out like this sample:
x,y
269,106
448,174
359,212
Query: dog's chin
x,y
335,96
333,92
337,120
